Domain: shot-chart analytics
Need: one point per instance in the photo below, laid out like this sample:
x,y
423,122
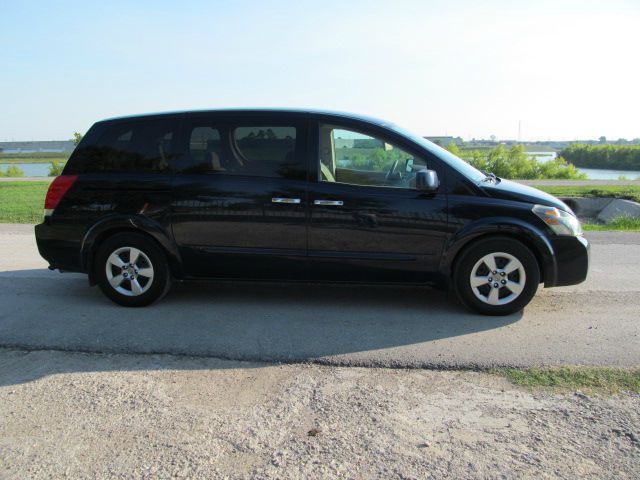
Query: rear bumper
x,y
58,246
571,255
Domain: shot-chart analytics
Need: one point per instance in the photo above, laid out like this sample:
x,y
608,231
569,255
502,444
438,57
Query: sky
x,y
560,69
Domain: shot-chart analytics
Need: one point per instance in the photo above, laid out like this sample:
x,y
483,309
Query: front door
x,y
239,197
367,220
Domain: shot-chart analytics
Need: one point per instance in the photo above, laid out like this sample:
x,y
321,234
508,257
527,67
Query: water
x,y
592,173
543,157
29,169
597,174
42,169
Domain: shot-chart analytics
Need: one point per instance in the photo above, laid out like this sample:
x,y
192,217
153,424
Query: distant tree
x,y
359,160
602,139
77,137
453,148
13,171
612,157
55,168
516,163
493,138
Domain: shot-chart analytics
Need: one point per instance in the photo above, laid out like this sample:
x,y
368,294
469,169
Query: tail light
x,y
57,190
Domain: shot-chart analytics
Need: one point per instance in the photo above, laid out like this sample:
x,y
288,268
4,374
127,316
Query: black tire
x,y
149,289
493,248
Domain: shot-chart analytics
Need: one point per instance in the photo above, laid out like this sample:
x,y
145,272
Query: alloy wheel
x,y
129,271
497,278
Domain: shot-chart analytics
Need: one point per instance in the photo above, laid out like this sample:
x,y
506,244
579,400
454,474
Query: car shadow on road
x,y
250,321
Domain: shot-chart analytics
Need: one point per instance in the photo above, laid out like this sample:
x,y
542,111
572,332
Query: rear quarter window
x,y
143,146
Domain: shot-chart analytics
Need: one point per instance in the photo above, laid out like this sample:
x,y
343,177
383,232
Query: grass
x,y
628,192
36,157
622,224
22,202
594,380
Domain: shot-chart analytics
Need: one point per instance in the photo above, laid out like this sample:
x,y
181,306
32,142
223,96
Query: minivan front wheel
x,y
131,270
496,276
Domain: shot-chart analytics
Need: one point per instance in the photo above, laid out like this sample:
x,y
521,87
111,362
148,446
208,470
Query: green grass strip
x,y
628,192
621,224
595,380
22,202
13,161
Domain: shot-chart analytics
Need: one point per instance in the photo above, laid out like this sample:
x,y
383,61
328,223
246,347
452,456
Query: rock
x,y
581,395
587,207
619,208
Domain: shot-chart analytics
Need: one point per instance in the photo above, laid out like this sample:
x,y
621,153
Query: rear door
x,y
367,220
239,206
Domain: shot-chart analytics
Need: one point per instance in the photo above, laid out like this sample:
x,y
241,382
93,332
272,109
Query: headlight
x,y
561,222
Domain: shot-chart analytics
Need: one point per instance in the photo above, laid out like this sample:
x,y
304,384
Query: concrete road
x,y
596,323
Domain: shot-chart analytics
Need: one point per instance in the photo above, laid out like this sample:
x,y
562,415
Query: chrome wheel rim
x,y
497,278
129,271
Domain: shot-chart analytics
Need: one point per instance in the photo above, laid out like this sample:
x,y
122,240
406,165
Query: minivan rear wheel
x,y
496,276
132,270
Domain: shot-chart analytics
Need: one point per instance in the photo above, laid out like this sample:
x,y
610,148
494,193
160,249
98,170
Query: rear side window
x,y
260,150
137,146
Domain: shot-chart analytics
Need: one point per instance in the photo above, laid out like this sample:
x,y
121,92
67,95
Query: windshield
x,y
460,165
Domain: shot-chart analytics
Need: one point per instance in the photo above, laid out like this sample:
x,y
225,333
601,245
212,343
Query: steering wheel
x,y
391,171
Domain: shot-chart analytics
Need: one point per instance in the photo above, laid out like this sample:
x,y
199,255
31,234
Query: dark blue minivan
x,y
298,195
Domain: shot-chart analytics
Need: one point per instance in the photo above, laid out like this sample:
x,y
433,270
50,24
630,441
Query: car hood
x,y
508,190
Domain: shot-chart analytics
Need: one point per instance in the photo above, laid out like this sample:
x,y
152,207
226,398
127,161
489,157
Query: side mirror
x,y
427,180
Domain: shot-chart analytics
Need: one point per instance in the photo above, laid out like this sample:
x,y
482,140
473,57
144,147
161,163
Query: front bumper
x,y
571,261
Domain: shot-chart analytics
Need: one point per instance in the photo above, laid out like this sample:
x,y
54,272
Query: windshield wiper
x,y
490,177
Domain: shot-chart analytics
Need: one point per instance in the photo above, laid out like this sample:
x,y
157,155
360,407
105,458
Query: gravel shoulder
x,y
157,416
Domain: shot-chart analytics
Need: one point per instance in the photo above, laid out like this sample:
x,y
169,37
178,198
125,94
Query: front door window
x,y
351,157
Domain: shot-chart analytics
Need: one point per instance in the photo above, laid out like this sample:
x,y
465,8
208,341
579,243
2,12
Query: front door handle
x,y
285,200
329,203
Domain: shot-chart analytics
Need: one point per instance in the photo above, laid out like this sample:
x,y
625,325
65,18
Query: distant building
x,y
56,146
344,142
444,141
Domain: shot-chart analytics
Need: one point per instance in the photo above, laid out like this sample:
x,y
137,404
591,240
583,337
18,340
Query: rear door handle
x,y
285,200
329,203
